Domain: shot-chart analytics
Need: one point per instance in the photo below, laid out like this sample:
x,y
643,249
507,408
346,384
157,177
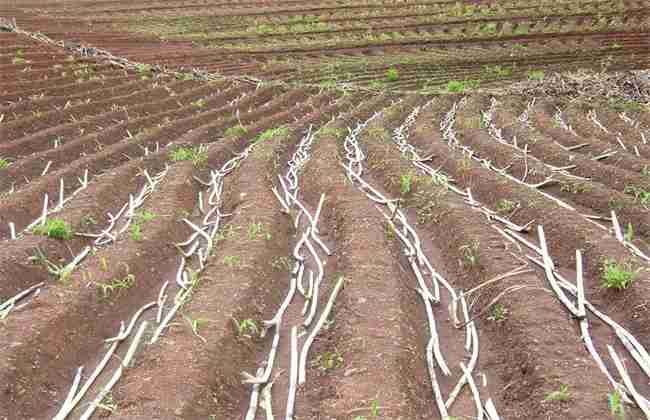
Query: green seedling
x,y
616,406
3,163
616,276
116,285
236,131
505,206
536,75
392,75
198,155
470,253
195,324
272,133
256,230
330,360
54,228
498,313
629,232
108,403
561,395
246,327
460,86
405,183
232,260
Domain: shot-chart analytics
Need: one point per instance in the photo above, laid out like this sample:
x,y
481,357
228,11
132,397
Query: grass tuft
x,y
616,276
54,228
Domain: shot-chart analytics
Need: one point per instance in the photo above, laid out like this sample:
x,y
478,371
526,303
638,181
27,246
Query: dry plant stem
x,y
255,397
293,374
118,373
548,269
304,353
641,402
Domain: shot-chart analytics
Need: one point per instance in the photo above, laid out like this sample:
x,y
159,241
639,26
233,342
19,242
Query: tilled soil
x,y
473,176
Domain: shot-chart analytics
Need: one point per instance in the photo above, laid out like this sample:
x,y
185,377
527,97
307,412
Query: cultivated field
x,y
324,210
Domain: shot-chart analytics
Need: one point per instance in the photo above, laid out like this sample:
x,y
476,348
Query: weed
x,y
374,408
406,183
273,132
18,60
505,206
615,204
246,327
536,75
236,131
334,132
640,195
498,313
615,276
392,75
575,187
460,86
195,324
330,360
616,407
561,395
54,228
232,260
488,28
199,103
3,163
256,230
465,164
143,68
470,253
116,285
103,263
198,155
136,223
281,263
377,84
185,76
629,232
497,70
108,403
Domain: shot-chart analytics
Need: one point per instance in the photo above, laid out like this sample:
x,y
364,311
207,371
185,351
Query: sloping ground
x,y
413,45
225,249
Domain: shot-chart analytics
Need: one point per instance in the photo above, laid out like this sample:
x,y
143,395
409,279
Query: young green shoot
x,y
615,276
560,395
54,228
246,327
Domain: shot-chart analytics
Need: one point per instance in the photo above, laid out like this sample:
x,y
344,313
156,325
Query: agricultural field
x,y
324,210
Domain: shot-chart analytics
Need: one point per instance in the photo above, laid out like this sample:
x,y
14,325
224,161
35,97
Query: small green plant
x,y
575,187
185,76
232,260
505,206
616,276
195,324
460,86
498,313
273,132
616,406
497,70
640,195
236,131
199,103
489,28
629,232
54,228
136,223
198,155
561,395
108,403
256,230
330,360
470,253
143,68
392,75
116,285
246,327
374,409
406,183
281,263
536,75
3,163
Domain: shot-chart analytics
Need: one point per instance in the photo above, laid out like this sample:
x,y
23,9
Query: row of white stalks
x,y
561,286
308,252
196,248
